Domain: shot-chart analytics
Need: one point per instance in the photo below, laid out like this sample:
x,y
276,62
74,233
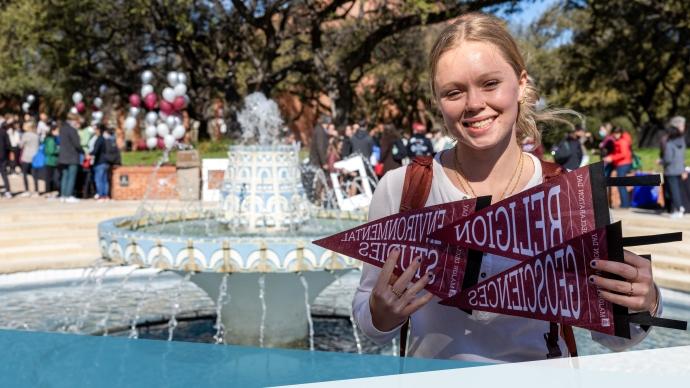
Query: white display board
x,y
207,167
351,184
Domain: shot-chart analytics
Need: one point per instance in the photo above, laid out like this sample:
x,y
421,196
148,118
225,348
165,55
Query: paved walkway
x,y
36,233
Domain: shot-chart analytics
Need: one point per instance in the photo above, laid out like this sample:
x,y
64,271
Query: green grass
x,y
207,150
648,156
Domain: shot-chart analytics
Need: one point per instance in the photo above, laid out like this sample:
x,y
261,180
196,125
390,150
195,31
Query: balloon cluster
x,y
26,105
165,124
80,106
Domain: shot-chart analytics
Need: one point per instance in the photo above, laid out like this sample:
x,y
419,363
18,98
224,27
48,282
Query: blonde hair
x,y
478,27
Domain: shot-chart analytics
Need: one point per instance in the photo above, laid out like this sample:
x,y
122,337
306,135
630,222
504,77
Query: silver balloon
x,y
146,90
151,143
130,123
180,89
26,106
97,102
171,121
77,97
172,78
151,117
30,98
162,130
181,78
151,131
169,141
146,77
178,132
169,95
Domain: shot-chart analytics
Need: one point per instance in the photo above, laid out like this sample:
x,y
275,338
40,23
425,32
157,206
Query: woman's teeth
x,y
480,124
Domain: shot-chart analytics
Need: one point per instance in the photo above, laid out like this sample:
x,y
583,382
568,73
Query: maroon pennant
x,y
532,221
553,286
409,231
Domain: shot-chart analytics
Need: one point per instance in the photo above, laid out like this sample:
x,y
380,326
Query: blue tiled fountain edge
x,y
67,360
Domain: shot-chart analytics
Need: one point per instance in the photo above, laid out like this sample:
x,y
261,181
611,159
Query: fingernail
x,y
593,263
430,273
591,279
419,259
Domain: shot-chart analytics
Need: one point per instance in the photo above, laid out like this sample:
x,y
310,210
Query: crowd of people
x,y
73,159
383,146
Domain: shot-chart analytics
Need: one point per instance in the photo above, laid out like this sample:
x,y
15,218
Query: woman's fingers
x,y
401,284
620,286
417,303
387,269
627,271
636,303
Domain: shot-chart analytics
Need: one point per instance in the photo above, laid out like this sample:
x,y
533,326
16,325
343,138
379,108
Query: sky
x,y
530,12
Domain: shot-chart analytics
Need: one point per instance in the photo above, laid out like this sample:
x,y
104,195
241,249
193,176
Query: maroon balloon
x,y
134,100
166,107
179,102
81,107
150,101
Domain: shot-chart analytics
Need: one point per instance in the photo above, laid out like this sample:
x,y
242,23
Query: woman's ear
x,y
522,85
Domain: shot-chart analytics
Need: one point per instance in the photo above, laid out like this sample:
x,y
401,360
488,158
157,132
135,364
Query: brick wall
x,y
130,182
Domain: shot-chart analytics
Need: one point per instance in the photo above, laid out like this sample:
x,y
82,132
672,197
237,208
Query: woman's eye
x,y
454,94
491,84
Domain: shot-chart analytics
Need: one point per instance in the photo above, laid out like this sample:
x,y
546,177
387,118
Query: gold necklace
x,y
462,180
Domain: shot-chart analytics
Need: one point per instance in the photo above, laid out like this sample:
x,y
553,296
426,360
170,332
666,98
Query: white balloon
x,y
103,88
30,98
162,130
169,94
180,89
97,115
181,77
170,120
178,132
151,131
169,141
172,78
26,106
73,110
146,77
223,128
133,111
97,102
163,115
151,117
130,123
146,90
77,97
151,142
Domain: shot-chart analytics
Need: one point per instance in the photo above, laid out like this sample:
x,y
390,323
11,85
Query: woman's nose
x,y
475,100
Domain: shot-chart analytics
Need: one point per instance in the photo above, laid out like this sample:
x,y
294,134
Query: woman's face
x,y
478,93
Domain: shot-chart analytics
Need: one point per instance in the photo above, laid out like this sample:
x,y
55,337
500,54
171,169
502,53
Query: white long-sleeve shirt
x,y
447,332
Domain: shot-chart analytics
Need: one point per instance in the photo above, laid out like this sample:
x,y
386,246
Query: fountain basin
x,y
200,243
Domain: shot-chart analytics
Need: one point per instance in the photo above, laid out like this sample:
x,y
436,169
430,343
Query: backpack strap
x,y
418,176
549,171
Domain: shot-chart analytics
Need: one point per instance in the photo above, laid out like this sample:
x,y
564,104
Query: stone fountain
x,y
252,254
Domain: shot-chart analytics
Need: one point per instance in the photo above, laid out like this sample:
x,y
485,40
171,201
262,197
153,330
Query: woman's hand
x,y
391,301
636,292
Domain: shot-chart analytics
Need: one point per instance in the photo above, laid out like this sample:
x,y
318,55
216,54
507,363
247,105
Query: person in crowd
x,y
319,143
85,181
621,160
606,145
5,150
29,145
362,142
51,151
488,102
15,135
419,144
529,145
393,151
675,124
440,140
69,156
43,126
347,143
333,153
104,154
674,164
569,151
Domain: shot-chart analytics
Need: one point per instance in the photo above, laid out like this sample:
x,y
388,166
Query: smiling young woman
x,y
482,87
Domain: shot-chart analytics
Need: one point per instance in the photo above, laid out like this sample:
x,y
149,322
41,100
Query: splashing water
x,y
133,332
262,298
394,344
115,296
308,307
219,337
83,315
172,323
260,120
